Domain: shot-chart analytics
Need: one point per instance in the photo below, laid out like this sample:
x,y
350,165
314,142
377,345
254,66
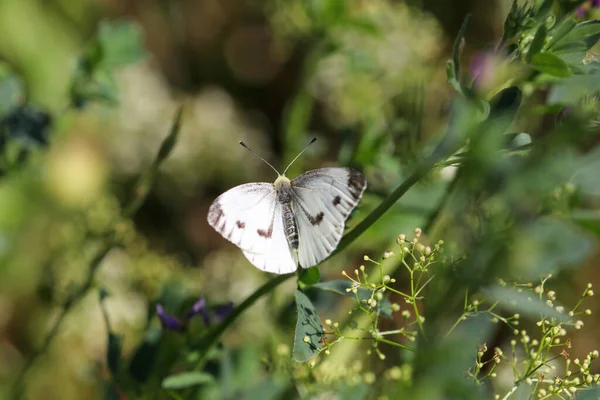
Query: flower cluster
x,y
371,286
541,359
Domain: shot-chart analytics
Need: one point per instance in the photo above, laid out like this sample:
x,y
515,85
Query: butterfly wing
x,y
323,199
250,217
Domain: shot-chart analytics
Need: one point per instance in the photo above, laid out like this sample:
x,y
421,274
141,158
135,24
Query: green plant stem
x,y
395,344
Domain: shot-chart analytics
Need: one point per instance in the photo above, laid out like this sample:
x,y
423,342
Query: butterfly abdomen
x,y
289,226
284,197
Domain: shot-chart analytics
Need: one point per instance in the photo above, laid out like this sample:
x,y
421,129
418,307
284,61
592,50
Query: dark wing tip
x,y
215,214
357,183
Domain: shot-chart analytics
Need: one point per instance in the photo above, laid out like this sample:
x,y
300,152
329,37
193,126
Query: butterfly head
x,y
282,182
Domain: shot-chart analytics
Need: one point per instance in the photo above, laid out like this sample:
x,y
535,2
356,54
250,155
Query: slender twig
x,y
395,344
110,242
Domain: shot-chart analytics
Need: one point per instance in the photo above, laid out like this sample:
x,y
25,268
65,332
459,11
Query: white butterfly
x,y
288,223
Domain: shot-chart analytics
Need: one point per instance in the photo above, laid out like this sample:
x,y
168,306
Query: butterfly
x,y
289,223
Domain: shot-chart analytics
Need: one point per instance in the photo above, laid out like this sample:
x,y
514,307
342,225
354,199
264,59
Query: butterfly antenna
x,y
256,154
299,154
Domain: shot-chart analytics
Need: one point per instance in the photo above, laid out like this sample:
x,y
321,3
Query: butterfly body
x,y
289,223
285,193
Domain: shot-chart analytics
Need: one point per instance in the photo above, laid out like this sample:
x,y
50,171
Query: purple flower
x,y
168,321
483,67
198,308
581,10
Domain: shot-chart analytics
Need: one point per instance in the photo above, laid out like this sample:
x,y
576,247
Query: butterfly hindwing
x,y
323,199
250,217
277,258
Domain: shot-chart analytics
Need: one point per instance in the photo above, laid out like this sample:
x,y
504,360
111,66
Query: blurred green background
x,y
101,81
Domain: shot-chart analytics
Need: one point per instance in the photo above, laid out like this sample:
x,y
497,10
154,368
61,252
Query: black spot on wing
x,y
316,220
337,200
240,224
266,234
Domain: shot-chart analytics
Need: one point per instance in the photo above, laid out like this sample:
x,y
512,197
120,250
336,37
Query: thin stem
x,y
393,332
510,392
395,344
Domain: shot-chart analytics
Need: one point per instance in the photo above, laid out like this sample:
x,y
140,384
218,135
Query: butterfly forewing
x,y
249,217
323,199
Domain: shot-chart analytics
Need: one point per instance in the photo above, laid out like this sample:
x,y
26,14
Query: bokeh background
x,y
375,95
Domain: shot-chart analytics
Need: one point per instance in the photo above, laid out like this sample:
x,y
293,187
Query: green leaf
x,y
328,12
169,143
308,326
265,389
544,10
457,48
146,180
573,89
187,379
560,32
581,38
537,44
548,245
586,176
513,141
592,393
550,64
10,90
451,77
525,303
505,104
339,286
113,352
121,42
309,276
587,219
364,26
